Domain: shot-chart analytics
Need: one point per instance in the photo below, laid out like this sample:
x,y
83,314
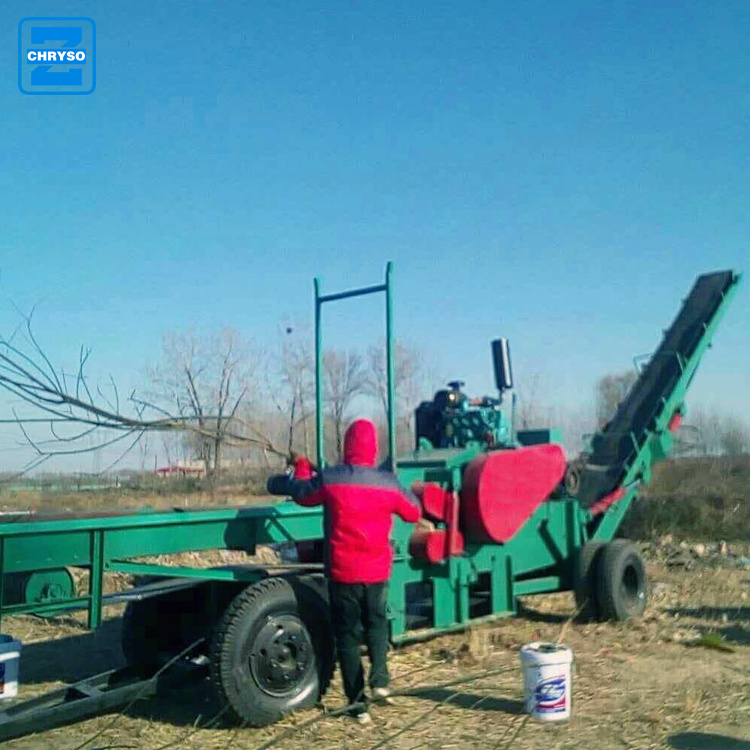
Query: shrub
x,y
698,497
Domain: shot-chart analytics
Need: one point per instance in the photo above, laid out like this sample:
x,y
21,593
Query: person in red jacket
x,y
359,502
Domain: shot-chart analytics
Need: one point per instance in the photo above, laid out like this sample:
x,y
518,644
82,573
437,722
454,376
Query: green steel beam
x,y
390,366
52,608
415,636
354,293
319,377
2,579
48,544
101,544
612,518
320,300
96,578
282,512
206,574
537,585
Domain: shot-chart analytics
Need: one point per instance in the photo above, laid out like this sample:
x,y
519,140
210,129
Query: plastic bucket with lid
x,y
10,653
547,683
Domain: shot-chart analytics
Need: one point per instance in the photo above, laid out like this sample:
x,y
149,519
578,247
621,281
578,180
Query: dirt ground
x,y
650,683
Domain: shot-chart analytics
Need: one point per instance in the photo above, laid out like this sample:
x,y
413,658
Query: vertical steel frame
x,y
320,300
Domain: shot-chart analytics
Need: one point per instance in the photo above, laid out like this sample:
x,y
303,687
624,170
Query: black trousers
x,y
359,609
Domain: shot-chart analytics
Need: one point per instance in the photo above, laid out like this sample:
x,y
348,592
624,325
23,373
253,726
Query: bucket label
x,y
550,695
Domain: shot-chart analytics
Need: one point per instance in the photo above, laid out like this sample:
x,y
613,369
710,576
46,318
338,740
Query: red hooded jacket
x,y
359,502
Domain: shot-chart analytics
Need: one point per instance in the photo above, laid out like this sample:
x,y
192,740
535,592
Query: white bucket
x,y
547,683
10,654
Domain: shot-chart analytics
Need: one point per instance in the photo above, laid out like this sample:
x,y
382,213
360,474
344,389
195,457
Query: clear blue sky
x,y
557,172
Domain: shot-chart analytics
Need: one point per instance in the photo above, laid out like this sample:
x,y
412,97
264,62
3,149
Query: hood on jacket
x,y
361,443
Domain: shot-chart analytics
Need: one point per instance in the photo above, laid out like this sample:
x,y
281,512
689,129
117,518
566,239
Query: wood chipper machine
x,y
509,516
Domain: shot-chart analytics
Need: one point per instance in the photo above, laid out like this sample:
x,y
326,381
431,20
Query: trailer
x,y
508,516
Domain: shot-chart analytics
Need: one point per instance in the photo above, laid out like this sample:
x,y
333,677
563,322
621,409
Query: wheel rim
x,y
282,655
630,587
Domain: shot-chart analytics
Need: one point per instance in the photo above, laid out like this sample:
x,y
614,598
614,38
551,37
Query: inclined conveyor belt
x,y
615,448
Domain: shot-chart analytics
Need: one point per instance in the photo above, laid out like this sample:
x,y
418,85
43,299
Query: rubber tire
x,y
621,600
142,638
586,575
157,628
232,644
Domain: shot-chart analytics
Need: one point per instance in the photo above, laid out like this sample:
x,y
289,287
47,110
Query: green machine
x,y
507,515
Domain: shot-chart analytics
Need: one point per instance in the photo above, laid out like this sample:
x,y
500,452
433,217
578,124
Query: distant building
x,y
182,468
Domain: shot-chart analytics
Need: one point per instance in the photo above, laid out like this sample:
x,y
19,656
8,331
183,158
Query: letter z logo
x,y
56,56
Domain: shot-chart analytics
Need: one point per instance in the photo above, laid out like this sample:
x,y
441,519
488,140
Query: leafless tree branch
x,y
33,381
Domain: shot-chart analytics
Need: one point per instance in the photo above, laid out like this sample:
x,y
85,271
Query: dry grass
x,y
138,493
87,502
635,685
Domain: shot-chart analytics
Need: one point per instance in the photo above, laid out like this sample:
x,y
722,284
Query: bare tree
x,y
143,453
72,409
410,384
169,443
611,390
529,409
344,379
701,435
292,385
735,437
406,372
206,379
717,433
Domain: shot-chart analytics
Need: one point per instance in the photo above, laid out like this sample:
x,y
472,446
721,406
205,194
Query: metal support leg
x,y
96,577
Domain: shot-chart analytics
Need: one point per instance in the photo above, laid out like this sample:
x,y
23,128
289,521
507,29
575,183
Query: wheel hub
x,y
282,655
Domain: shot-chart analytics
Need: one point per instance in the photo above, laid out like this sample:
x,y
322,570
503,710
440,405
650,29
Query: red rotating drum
x,y
501,490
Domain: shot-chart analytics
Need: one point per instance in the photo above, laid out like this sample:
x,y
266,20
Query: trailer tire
x,y
158,627
623,581
142,637
586,576
272,651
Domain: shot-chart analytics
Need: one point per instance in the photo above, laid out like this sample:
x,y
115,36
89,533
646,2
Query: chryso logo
x,y
56,56
550,695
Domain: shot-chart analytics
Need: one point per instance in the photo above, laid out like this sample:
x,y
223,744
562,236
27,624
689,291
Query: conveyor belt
x,y
614,449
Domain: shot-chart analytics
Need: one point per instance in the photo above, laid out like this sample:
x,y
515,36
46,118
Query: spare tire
x,y
623,581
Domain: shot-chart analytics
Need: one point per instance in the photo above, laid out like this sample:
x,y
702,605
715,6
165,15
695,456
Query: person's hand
x,y
302,467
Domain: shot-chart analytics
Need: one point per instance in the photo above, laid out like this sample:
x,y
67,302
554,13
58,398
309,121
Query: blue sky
x,y
558,173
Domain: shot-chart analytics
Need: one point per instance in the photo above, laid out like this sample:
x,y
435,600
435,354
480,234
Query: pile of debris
x,y
690,555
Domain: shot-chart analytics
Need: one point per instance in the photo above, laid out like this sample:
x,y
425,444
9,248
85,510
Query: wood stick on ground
x,y
414,723
139,695
344,709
